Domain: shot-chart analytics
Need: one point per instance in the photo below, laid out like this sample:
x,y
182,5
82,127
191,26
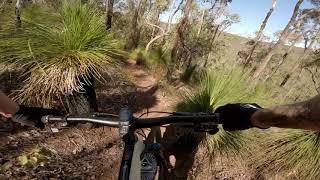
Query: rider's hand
x,y
32,115
237,116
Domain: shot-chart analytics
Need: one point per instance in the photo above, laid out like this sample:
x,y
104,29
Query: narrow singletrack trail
x,y
153,96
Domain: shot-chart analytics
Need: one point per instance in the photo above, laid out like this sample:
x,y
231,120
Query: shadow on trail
x,y
183,144
136,99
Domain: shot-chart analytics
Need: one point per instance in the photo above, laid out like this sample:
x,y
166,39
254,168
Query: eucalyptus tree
x,y
260,33
181,27
272,49
135,26
309,45
109,13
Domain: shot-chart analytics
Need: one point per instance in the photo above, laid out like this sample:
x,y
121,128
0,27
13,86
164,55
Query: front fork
x,y
129,139
139,160
129,143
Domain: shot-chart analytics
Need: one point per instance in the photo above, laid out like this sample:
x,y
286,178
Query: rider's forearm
x,y
7,106
303,115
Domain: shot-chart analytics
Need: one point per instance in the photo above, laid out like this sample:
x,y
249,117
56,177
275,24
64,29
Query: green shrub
x,y
218,87
188,74
139,55
288,152
59,48
155,57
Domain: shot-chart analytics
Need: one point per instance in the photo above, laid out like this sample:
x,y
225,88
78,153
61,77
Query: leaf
x,y
33,160
23,159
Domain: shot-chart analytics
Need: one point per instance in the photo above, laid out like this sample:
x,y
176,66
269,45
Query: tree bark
x,y
285,56
259,34
214,36
157,20
299,63
163,33
278,44
219,6
168,28
201,22
109,14
90,93
18,10
134,35
180,29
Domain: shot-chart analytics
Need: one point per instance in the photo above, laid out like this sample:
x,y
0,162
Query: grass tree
x,y
290,153
64,51
218,87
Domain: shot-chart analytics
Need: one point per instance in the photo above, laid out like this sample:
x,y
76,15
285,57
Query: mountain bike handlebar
x,y
209,119
127,124
196,118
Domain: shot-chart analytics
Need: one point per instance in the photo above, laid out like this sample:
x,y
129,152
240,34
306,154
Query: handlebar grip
x,y
109,120
52,119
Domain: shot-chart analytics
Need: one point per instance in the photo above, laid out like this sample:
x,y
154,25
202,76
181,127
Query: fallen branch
x,y
163,33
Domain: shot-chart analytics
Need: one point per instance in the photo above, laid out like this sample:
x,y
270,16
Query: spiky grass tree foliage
x,y
217,88
294,153
60,49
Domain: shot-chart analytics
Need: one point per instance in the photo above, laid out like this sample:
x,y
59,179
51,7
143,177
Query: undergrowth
x,y
288,152
219,87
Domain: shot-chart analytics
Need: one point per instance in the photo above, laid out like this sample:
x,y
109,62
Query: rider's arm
x,y
302,115
23,114
7,106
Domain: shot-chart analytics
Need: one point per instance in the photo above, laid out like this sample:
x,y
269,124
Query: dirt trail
x,y
189,159
148,84
81,153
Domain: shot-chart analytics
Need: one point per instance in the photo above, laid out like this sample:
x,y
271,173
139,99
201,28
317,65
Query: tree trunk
x,y
283,59
259,34
214,36
163,33
18,12
299,63
134,35
90,94
219,6
180,29
83,102
109,14
278,44
201,22
157,20
168,28
286,54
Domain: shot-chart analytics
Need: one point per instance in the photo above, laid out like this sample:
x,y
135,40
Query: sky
x,y
252,13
